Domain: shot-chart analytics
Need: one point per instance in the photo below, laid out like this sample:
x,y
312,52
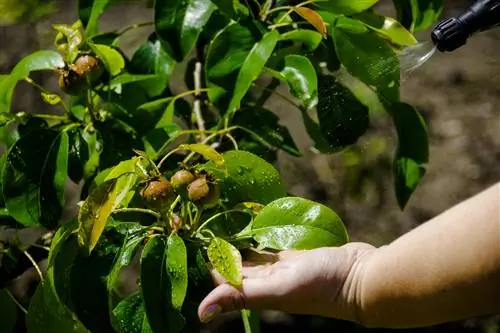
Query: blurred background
x,y
458,94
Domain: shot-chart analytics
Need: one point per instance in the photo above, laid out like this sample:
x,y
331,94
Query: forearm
x,y
447,269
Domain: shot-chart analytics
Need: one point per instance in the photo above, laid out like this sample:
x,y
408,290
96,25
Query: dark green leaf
x,y
412,154
155,139
252,67
37,61
225,56
262,126
90,12
418,15
8,312
387,27
179,23
226,259
249,179
342,117
367,56
83,154
131,315
346,7
152,58
47,314
34,178
297,223
99,205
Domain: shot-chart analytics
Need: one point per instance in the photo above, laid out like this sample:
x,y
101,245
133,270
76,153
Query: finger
x,y
253,294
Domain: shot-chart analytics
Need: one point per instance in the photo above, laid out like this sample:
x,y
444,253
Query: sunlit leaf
x,y
309,38
226,259
176,265
90,11
346,7
206,151
387,27
98,206
312,17
112,59
297,223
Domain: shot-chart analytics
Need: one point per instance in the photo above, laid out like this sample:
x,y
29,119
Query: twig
x,y
197,101
137,210
37,268
21,307
134,26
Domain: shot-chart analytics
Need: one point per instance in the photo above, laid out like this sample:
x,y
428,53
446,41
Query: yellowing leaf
x,y
98,206
226,259
51,99
313,18
208,153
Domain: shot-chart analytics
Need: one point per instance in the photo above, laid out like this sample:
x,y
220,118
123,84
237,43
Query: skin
x,y
446,269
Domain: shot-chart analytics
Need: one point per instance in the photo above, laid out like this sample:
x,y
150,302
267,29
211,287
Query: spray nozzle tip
x,y
449,35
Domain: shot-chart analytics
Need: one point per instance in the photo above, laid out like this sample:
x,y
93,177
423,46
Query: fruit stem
x,y
197,99
137,210
37,268
13,298
134,26
45,91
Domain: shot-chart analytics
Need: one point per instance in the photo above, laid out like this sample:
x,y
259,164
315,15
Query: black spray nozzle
x,y
454,32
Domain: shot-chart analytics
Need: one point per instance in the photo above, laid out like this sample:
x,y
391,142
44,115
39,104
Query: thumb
x,y
255,293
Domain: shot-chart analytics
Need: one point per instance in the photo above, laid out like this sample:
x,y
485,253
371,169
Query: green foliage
x,y
122,133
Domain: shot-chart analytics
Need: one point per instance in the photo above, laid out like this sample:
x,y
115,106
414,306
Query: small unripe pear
x,y
181,179
198,189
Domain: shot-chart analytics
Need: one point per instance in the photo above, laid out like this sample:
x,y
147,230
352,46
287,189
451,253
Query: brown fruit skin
x,y
158,193
87,66
212,198
71,83
198,189
181,179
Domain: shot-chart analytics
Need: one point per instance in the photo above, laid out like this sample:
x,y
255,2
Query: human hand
x,y
315,282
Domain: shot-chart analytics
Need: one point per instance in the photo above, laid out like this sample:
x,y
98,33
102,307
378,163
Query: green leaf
x,y
126,78
367,56
297,223
346,7
225,56
310,39
37,61
179,23
207,152
418,15
123,259
98,206
90,12
226,259
34,178
299,73
412,154
249,179
176,265
252,67
152,58
262,126
83,154
342,117
8,312
156,288
131,315
47,314
111,58
155,139
387,27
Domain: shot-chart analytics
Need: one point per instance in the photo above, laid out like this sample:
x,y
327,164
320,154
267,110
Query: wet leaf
x,y
98,206
297,223
412,154
418,15
131,315
179,23
176,265
34,178
226,259
310,39
313,18
387,27
367,57
342,117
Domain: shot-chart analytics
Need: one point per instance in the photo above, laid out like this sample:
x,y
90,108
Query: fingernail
x,y
210,313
